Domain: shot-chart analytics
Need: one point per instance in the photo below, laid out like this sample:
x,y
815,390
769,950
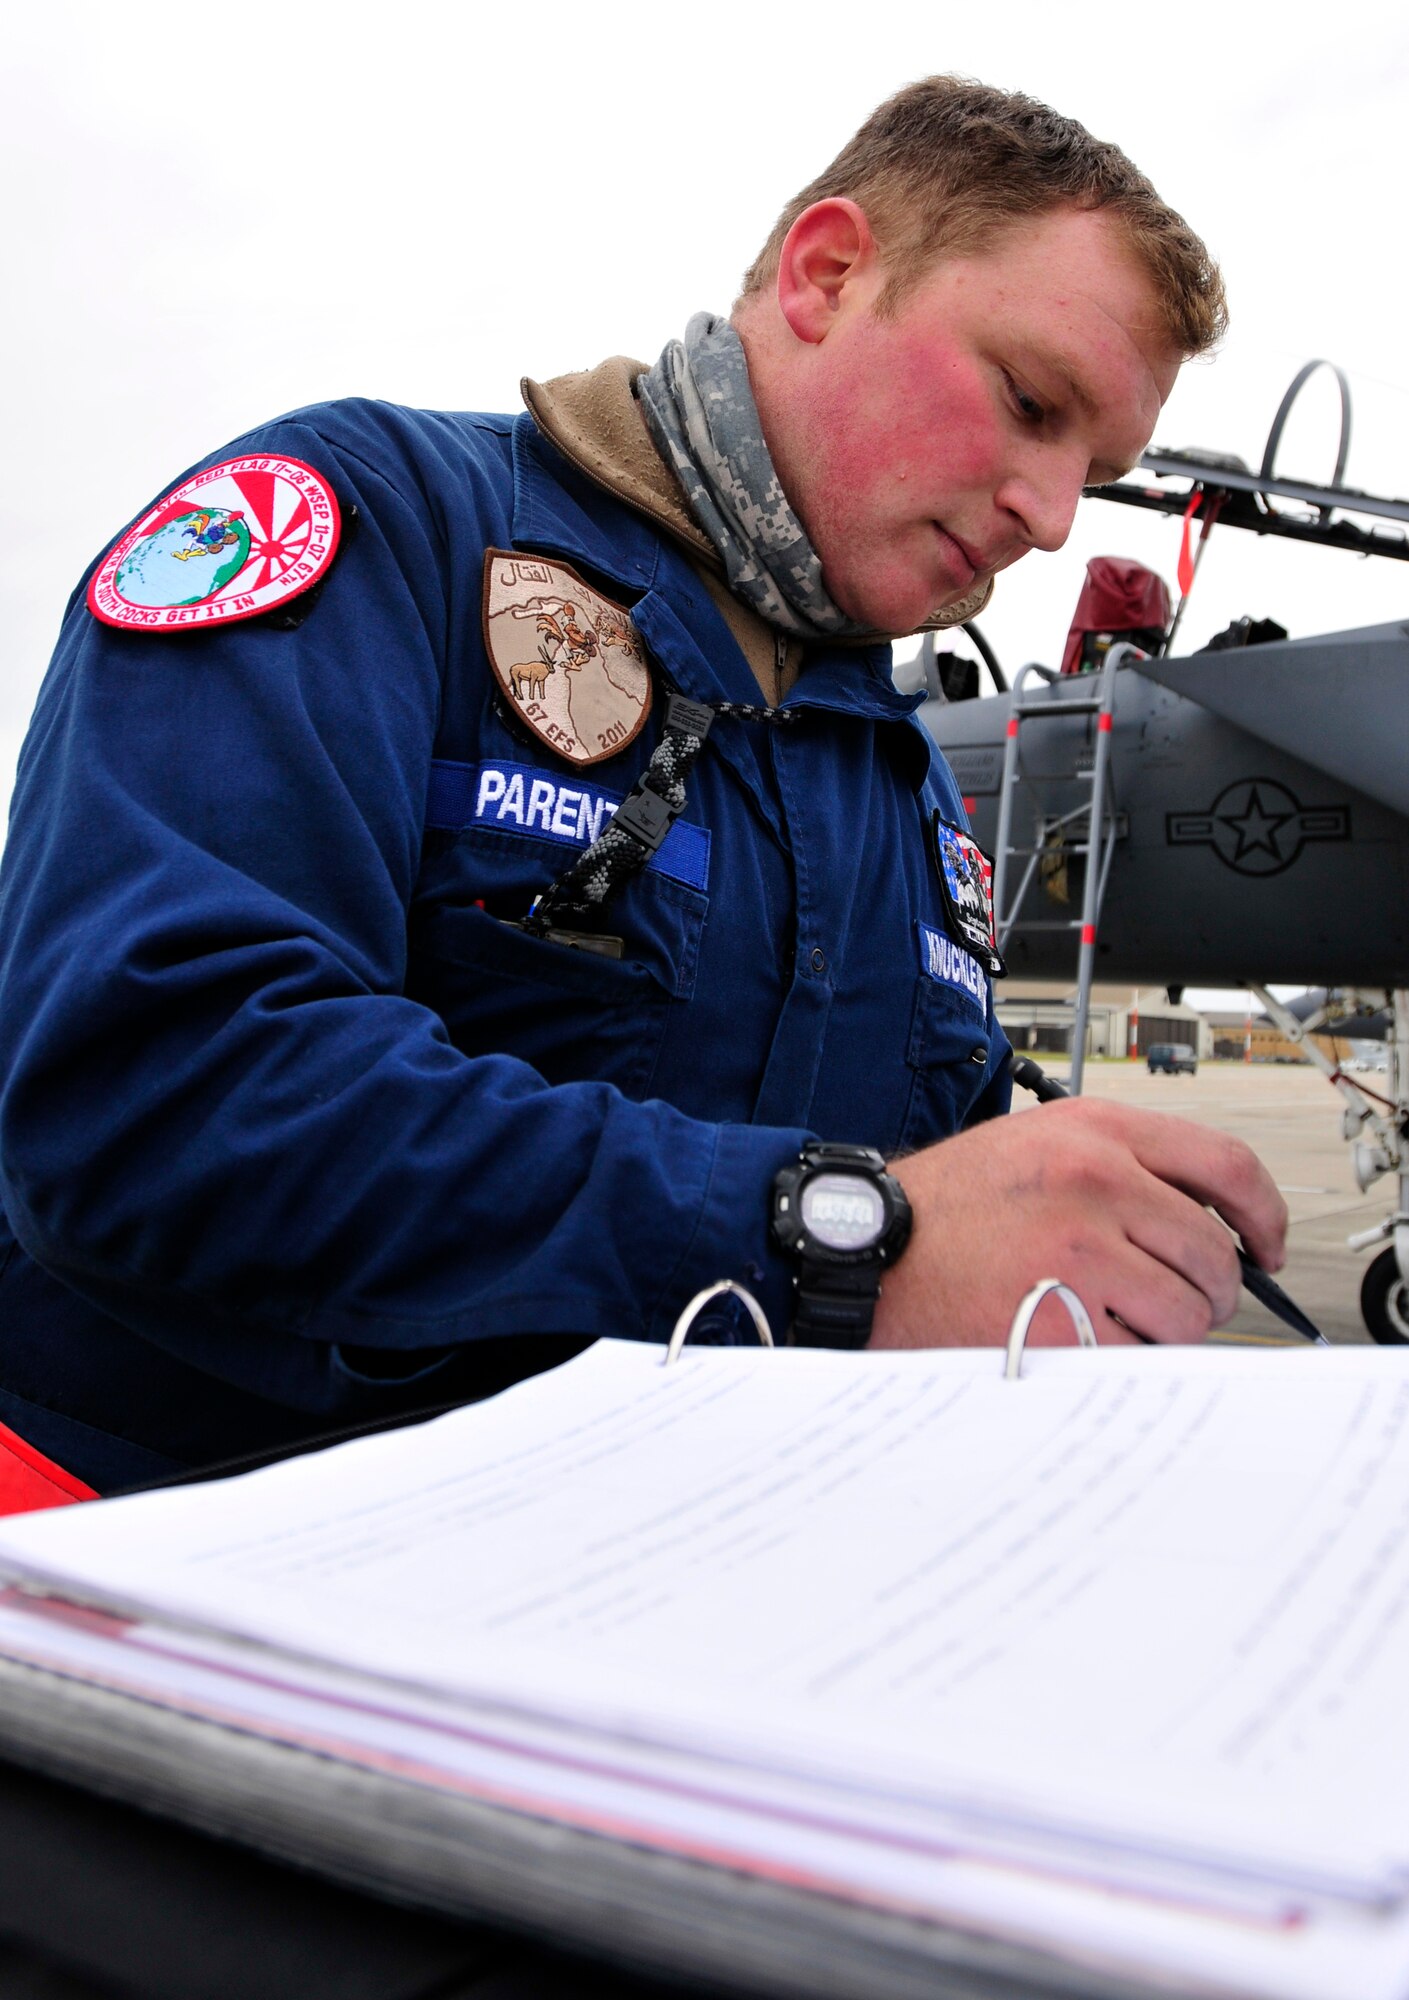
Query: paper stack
x,y
820,1673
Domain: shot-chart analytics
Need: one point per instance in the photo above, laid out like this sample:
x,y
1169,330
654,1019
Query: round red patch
x,y
231,542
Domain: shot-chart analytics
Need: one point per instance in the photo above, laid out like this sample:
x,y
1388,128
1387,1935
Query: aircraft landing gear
x,y
1384,1294
1384,1302
1376,1123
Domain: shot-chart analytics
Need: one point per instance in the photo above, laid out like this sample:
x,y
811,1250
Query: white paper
x,y
1158,1599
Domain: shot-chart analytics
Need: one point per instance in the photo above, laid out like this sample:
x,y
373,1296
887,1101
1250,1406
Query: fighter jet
x,y
1237,815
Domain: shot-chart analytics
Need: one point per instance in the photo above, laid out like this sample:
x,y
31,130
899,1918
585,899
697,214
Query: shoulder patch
x,y
571,662
966,884
232,541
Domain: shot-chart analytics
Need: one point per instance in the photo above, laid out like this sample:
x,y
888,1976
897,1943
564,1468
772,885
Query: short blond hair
x,y
946,165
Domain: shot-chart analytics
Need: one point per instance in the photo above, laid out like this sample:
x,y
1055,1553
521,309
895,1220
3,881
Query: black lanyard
x,y
581,894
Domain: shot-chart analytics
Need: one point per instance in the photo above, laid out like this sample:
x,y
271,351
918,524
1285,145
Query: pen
x,y
1260,1283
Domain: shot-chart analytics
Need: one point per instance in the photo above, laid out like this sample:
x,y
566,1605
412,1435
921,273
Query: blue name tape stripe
x,y
524,798
951,965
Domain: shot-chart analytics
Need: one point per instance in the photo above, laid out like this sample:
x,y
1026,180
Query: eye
x,y
1023,401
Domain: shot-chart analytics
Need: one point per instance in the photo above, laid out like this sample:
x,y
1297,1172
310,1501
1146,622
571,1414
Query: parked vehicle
x,y
1172,1057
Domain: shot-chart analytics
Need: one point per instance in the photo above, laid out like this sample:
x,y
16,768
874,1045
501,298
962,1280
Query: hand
x,y
1112,1201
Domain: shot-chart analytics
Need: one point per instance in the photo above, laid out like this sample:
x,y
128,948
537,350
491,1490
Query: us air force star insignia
x,y
966,882
230,542
570,661
1257,826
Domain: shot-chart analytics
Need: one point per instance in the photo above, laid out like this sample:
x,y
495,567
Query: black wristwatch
x,y
844,1219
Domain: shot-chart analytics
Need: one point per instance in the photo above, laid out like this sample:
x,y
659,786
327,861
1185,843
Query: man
x,y
391,1001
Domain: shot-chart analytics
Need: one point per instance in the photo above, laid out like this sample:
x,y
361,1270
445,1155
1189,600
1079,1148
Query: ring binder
x,y
680,1333
1022,1320
1017,1332
1046,1088
808,1829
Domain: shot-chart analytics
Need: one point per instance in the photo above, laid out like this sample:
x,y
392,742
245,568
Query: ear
x,y
826,252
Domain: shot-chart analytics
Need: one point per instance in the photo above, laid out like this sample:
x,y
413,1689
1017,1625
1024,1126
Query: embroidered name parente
x,y
524,799
942,959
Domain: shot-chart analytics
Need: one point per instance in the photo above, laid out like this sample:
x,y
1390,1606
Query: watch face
x,y
842,1211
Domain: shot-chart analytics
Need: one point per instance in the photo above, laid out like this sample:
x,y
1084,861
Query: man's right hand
x,y
1114,1202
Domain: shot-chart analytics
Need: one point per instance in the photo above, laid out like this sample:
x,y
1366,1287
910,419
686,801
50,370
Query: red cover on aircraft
x,y
1120,597
29,1480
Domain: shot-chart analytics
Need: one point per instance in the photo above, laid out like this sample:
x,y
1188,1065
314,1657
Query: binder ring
x,y
1022,1320
681,1331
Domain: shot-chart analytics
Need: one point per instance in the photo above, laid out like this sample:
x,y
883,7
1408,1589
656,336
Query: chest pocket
x,y
948,1049
573,1015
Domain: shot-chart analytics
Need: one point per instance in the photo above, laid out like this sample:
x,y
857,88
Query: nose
x,y
1041,496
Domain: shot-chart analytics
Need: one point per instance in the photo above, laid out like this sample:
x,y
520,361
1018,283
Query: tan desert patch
x,y
569,660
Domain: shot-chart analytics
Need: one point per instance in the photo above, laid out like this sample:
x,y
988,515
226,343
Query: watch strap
x,y
834,1305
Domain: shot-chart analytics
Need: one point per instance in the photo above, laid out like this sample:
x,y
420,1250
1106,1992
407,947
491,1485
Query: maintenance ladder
x,y
1093,824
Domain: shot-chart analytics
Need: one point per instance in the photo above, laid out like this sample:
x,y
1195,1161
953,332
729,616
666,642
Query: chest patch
x,y
966,884
948,963
231,542
522,799
570,662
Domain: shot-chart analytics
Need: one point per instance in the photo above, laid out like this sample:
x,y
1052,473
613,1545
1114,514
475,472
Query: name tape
x,y
524,799
951,965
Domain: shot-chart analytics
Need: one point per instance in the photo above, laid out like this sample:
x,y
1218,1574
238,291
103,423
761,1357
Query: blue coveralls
x,y
294,1132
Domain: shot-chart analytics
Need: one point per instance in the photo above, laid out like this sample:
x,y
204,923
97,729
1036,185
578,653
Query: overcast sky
x,y
216,214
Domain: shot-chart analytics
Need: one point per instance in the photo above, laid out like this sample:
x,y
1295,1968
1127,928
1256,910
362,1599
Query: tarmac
x,y
1291,1117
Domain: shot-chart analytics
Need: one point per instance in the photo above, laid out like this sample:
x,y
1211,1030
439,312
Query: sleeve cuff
x,y
732,1236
